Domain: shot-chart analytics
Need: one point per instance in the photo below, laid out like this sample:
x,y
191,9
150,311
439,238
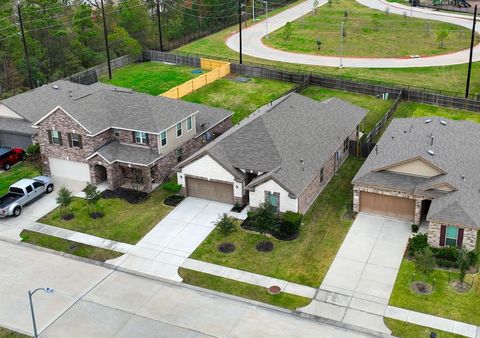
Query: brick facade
x,y
469,236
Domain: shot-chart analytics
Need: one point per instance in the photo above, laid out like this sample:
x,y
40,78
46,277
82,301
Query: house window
x,y
116,132
274,199
179,129
345,145
321,175
141,137
75,140
163,138
189,123
451,236
178,154
56,137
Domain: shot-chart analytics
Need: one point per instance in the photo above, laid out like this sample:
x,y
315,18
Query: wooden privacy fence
x,y
218,69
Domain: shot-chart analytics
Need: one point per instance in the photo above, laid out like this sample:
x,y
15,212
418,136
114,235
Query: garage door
x,y
15,140
216,191
69,169
397,207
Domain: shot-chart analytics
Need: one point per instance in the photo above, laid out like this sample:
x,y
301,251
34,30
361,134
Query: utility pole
x,y
472,41
240,27
25,49
105,34
266,19
341,44
253,10
159,26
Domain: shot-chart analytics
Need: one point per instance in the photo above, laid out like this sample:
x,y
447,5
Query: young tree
x,y
424,262
319,44
464,262
442,34
287,30
264,218
225,224
64,199
92,195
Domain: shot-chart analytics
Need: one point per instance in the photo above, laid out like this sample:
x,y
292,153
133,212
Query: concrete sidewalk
x,y
249,278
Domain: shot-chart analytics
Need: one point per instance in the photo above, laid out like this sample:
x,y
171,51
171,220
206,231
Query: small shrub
x,y
425,262
33,149
64,199
416,243
226,224
171,187
264,218
415,228
449,252
445,263
473,257
291,222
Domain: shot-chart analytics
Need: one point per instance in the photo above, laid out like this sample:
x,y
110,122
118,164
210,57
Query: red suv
x,y
11,156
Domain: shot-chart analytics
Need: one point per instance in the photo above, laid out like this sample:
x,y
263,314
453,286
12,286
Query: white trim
x,y
53,111
141,165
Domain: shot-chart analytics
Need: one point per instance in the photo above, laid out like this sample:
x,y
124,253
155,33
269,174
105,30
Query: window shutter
x,y
147,140
60,138
49,136
80,141
443,231
133,136
69,136
460,238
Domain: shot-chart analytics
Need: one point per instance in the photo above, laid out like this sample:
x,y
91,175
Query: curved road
x,y
253,46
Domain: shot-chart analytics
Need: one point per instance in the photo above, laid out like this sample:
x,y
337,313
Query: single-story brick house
x,y
19,112
123,137
284,155
425,169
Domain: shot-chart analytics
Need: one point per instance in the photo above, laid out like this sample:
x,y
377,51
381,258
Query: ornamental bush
x,y
291,222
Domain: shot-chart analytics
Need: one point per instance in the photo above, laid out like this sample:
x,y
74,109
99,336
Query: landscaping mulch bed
x,y
421,288
173,200
460,287
277,234
131,196
68,217
226,247
264,246
96,214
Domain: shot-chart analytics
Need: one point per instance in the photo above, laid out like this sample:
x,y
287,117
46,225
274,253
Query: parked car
x,y
11,156
23,192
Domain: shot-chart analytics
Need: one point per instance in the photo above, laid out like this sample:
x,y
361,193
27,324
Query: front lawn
x,y
242,98
123,222
153,78
376,107
16,173
241,289
443,301
403,329
304,260
63,245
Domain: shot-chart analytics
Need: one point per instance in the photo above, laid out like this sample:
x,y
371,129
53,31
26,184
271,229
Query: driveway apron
x,y
164,249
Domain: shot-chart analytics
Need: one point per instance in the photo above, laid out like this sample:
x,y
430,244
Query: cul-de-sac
x,y
239,168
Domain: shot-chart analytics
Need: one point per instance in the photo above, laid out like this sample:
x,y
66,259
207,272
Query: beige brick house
x,y
426,169
124,138
284,155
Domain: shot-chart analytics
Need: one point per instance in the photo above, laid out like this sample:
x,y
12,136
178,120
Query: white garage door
x,y
69,169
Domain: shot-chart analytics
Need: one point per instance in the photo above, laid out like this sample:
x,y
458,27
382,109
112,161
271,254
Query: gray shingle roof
x,y
119,152
456,152
274,141
130,110
34,104
19,126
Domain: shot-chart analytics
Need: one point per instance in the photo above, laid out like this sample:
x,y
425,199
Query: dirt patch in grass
x,y
264,246
131,196
226,247
422,288
460,287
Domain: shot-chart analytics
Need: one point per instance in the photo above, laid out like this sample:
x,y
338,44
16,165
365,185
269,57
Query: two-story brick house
x,y
124,137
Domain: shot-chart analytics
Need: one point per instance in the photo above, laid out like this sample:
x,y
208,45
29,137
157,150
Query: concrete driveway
x,y
358,284
10,227
163,250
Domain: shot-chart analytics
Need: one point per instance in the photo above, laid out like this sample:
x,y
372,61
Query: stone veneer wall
x,y
126,136
388,192
469,236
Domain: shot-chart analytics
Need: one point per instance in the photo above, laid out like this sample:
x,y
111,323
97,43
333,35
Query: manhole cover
x,y
274,290
72,247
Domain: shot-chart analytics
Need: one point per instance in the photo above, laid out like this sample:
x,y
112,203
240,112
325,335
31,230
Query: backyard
x,y
153,78
242,98
17,172
122,221
413,109
304,260
367,32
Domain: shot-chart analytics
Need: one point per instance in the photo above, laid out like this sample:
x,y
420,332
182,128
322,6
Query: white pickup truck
x,y
23,192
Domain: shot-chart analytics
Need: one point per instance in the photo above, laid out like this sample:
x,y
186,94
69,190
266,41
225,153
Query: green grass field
x,y
122,221
412,109
376,107
444,301
21,170
6,333
240,289
153,78
241,98
402,329
304,260
368,33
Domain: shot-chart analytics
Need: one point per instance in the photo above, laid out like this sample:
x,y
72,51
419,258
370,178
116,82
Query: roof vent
x,y
428,120
443,122
463,177
55,87
302,162
430,152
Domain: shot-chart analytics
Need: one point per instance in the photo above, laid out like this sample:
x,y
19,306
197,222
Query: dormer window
x,y
179,129
189,123
141,138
